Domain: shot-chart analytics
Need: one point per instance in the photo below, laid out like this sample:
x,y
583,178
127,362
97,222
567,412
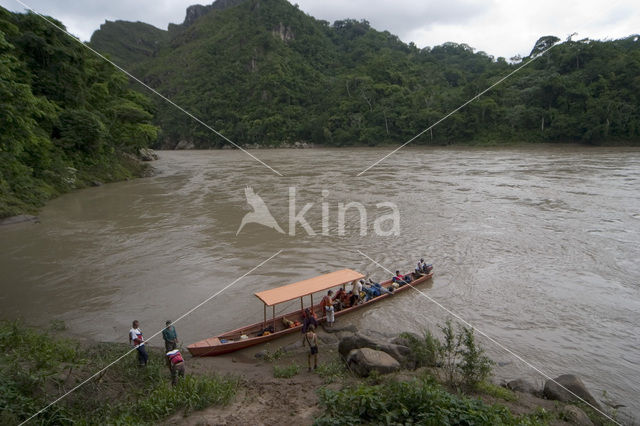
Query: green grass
x,y
496,391
332,371
36,367
286,371
271,356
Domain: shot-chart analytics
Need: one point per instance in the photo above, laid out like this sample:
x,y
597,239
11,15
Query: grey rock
x,y
184,144
19,219
338,329
147,154
571,382
400,353
355,341
261,354
523,385
365,360
329,339
576,416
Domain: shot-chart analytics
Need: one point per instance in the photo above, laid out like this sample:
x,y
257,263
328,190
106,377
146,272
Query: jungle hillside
x,y
264,73
68,119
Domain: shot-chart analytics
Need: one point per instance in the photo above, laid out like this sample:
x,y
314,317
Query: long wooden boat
x,y
253,334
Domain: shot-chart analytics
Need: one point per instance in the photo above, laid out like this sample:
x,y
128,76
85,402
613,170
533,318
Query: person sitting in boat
x,y
380,289
356,289
421,265
369,292
341,300
424,267
309,318
399,278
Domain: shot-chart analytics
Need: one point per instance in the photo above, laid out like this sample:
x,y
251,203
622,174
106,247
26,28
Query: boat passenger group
x,y
361,292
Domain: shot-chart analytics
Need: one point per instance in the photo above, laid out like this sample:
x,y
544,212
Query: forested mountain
x,y
263,72
67,118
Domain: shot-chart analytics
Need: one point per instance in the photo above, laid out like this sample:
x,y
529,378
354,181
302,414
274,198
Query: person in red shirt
x,y
176,364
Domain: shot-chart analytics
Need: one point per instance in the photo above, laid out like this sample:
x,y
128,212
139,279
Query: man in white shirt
x,y
356,289
137,340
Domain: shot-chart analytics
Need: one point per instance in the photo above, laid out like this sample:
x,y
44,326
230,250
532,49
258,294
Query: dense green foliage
x,y
35,368
427,351
263,72
419,401
66,117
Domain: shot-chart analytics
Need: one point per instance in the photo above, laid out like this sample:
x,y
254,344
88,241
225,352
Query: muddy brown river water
x,y
536,246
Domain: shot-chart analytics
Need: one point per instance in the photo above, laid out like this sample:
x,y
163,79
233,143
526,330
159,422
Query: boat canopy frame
x,y
303,288
306,287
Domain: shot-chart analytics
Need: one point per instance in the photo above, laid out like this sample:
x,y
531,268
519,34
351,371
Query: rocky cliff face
x,y
196,11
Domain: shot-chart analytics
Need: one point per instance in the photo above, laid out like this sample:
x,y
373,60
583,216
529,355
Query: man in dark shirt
x,y
170,337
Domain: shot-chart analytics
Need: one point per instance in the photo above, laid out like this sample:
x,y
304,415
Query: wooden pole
x,y
274,318
264,323
301,305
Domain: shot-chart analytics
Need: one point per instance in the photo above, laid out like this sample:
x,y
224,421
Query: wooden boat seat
x,y
213,341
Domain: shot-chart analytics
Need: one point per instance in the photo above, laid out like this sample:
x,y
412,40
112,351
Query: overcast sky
x,y
497,27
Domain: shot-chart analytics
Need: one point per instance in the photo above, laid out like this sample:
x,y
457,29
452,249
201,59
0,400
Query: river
x,y
536,246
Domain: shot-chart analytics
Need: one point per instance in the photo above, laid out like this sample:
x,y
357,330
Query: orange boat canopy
x,y
306,287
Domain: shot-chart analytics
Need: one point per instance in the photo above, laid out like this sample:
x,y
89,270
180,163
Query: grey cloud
x,y
84,17
400,17
500,28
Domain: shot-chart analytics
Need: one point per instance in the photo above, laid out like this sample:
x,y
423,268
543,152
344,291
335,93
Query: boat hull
x,y
214,346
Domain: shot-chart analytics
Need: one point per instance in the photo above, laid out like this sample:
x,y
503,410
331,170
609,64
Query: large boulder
x,y
18,219
576,416
400,353
365,360
355,341
147,154
524,386
184,144
555,389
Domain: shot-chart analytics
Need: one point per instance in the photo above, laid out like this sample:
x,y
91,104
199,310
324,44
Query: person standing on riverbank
x,y
309,318
311,338
327,308
137,340
170,337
